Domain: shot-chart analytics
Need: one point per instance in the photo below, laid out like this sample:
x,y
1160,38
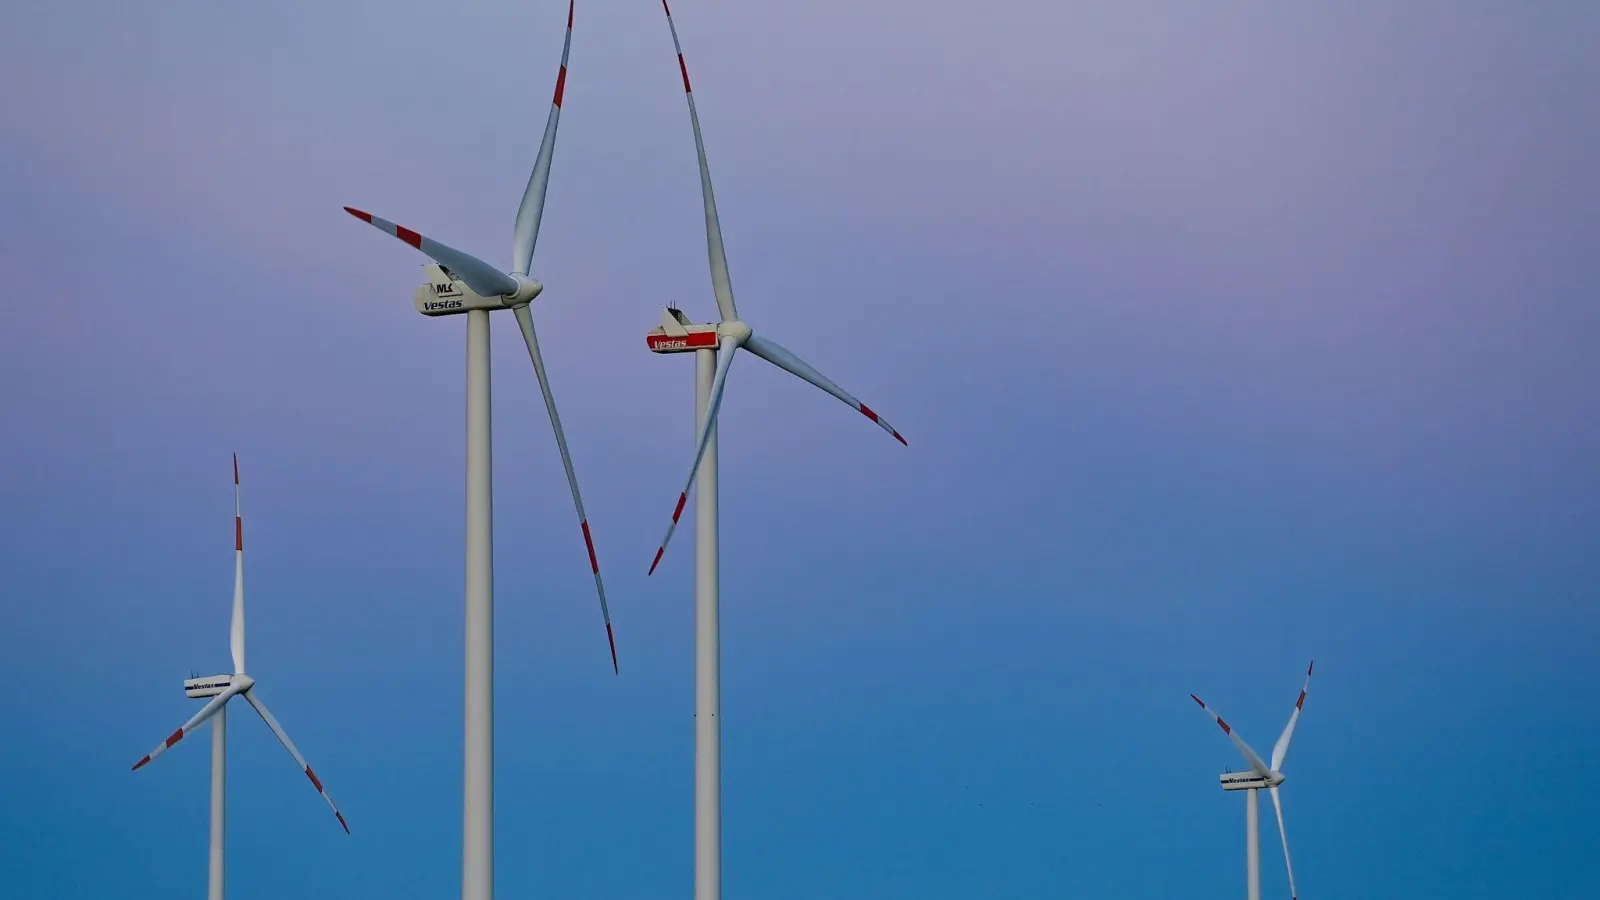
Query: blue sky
x,y
1223,338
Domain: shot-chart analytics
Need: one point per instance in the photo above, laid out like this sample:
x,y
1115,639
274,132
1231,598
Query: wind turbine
x,y
221,689
1261,775
714,347
461,283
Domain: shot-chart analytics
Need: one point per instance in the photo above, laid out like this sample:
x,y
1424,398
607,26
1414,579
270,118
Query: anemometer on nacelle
x,y
446,295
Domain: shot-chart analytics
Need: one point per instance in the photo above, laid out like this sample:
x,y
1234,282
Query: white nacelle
x,y
447,296
207,686
1243,781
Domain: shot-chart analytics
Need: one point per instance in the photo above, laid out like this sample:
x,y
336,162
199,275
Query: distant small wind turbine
x,y
1261,775
221,689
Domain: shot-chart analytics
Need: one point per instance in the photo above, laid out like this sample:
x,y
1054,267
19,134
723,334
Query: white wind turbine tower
x,y
714,347
460,283
1261,775
221,689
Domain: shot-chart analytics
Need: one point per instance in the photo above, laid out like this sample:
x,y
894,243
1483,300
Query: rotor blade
x,y
483,278
1283,837
725,351
1280,751
283,738
525,319
236,625
1249,755
532,208
720,285
787,361
206,712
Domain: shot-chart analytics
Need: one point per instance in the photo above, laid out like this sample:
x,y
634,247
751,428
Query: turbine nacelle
x,y
446,295
679,335
207,686
1249,781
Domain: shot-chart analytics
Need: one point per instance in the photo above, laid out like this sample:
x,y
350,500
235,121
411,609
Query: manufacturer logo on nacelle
x,y
436,305
446,290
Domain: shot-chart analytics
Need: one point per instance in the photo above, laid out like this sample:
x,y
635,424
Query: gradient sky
x,y
1225,336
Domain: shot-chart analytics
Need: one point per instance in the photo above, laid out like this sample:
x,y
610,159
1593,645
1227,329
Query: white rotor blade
x,y
236,624
1280,751
787,361
479,275
1283,837
725,351
1249,755
206,712
532,208
525,319
283,737
720,284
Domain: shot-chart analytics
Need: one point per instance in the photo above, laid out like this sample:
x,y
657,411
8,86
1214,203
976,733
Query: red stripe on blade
x,y
238,534
1302,701
140,763
340,816
236,470
569,14
176,737
867,411
313,776
363,216
682,499
898,437
409,236
589,542
685,70
610,639
561,86
664,6
1225,728
1198,700
657,561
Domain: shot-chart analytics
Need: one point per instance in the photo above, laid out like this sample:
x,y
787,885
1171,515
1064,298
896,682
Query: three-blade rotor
x,y
733,334
1272,774
516,290
240,683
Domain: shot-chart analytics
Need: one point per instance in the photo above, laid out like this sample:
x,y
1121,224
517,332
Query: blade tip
x,y
660,552
141,764
360,214
342,823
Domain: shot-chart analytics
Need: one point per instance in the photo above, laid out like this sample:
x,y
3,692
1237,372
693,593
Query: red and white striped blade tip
x,y
661,551
610,639
867,411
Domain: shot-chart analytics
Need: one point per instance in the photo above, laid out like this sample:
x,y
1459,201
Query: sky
x,y
1225,337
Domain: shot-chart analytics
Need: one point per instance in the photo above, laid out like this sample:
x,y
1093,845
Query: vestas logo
x,y
434,305
695,340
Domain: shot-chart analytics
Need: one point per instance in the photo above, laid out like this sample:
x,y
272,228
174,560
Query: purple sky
x,y
1223,337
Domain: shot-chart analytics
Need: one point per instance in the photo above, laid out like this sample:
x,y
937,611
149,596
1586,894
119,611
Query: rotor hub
x,y
527,289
